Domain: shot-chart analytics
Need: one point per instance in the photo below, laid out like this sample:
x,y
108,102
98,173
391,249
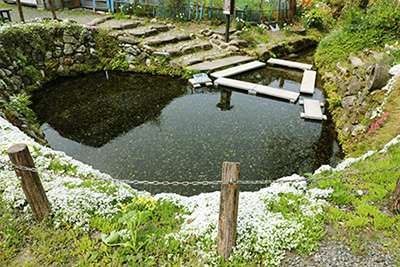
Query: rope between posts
x,y
13,167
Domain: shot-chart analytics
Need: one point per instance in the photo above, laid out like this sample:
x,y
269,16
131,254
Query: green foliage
x,y
140,231
20,102
360,30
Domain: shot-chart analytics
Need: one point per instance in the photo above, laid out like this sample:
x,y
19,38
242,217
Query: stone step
x,y
238,69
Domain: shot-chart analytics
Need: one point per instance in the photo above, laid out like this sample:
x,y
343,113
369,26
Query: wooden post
x,y
228,209
31,184
395,207
21,14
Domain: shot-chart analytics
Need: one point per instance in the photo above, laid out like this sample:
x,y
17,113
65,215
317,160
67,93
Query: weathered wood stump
x,y
395,207
31,185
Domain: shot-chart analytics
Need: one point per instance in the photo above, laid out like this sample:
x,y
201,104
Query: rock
x,y
68,49
234,43
58,43
348,102
233,48
131,66
223,45
340,70
188,50
329,75
175,65
81,49
207,32
7,72
93,52
206,45
174,52
359,129
148,49
161,28
197,47
137,33
79,57
69,39
355,61
129,58
242,43
346,130
128,39
215,41
148,62
161,54
131,50
353,87
183,37
154,20
142,57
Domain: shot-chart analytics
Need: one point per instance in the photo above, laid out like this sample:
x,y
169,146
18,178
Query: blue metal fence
x,y
263,11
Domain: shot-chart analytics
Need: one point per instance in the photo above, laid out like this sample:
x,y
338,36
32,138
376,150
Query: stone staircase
x,y
158,38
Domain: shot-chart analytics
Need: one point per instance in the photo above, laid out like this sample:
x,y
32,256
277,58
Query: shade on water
x,y
143,127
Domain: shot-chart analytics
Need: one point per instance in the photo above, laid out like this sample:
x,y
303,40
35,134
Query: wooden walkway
x,y
238,69
253,88
312,109
290,64
308,82
220,63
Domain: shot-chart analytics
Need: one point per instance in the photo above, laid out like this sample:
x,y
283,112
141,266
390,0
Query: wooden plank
x,y
308,82
238,69
220,63
235,84
276,92
290,64
312,109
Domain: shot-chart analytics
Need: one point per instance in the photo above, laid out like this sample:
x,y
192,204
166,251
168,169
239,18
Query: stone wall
x,y
38,52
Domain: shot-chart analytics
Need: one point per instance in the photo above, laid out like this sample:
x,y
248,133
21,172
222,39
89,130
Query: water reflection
x,y
143,127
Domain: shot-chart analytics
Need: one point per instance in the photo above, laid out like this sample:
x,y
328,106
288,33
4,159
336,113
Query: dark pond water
x,y
143,127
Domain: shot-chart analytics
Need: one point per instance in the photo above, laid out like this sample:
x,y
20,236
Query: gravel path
x,y
336,253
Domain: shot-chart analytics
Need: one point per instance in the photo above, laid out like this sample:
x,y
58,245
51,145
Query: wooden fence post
x,y
228,209
395,207
30,180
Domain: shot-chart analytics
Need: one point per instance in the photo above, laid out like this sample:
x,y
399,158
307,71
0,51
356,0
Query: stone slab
x,y
312,109
308,82
235,84
276,92
253,88
238,69
220,63
290,64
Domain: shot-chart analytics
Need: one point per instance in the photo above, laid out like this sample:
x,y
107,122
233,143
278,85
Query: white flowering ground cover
x,y
271,221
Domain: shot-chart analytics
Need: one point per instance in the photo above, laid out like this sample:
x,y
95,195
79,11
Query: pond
x,y
143,127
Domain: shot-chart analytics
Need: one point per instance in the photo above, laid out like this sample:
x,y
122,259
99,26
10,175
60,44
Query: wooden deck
x,y
238,69
290,64
258,89
308,82
312,109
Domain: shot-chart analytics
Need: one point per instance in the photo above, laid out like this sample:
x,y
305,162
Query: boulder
x,y
354,87
183,37
355,61
348,102
359,129
175,65
206,45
